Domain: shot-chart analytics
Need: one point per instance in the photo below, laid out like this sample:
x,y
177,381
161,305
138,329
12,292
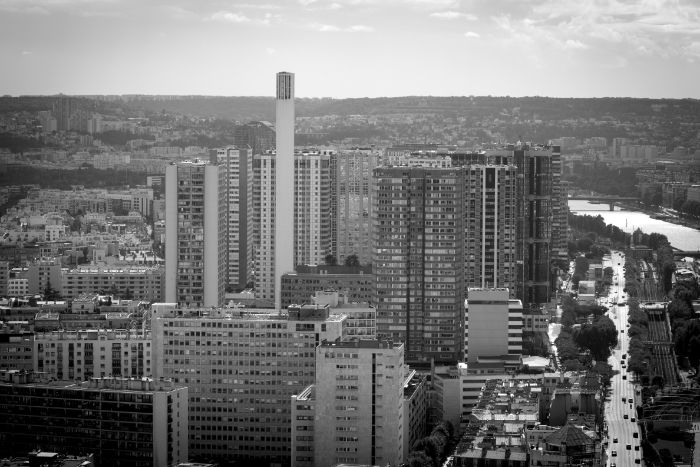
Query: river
x,y
680,237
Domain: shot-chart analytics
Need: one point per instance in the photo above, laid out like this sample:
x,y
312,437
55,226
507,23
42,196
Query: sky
x,y
352,48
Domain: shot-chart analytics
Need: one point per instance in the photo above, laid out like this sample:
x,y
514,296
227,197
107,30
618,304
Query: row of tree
x,y
431,451
596,224
690,208
615,182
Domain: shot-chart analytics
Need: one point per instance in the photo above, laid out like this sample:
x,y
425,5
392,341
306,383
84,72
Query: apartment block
x,y
69,355
490,234
4,277
357,406
124,422
354,281
418,259
41,272
241,367
239,215
16,347
351,202
493,324
142,282
310,228
195,228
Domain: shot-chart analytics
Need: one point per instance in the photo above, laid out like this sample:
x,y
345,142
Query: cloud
x,y
10,7
26,53
453,15
102,14
471,34
416,4
262,6
306,2
335,6
230,17
270,50
332,28
572,44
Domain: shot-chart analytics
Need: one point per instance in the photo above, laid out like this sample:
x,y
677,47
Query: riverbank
x,y
664,215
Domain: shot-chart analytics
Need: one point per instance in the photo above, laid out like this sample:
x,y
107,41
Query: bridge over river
x,y
611,200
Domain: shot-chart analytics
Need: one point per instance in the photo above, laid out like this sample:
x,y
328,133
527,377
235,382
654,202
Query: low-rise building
x,y
300,286
130,422
141,282
17,287
67,355
16,346
569,445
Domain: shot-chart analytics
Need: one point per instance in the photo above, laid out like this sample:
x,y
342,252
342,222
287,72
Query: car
x,y
614,454
622,331
624,399
614,440
629,447
612,464
635,434
625,416
636,448
637,461
631,408
624,377
633,420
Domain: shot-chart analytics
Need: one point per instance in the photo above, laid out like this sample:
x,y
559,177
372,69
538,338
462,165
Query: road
x,y
615,409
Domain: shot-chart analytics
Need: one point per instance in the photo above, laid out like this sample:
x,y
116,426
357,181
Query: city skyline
x,y
615,48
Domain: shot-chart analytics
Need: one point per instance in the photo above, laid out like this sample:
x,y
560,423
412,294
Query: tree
x,y
352,260
128,294
598,338
331,260
51,294
694,351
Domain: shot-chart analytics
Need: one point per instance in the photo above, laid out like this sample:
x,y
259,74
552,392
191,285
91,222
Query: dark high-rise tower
x,y
63,108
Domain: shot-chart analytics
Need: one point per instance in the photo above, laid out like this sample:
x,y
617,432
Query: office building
x,y
123,422
356,405
418,259
241,368
195,230
259,136
490,225
355,282
309,229
81,354
351,202
239,215
493,324
283,209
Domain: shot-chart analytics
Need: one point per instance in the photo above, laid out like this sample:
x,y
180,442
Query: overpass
x,y
611,200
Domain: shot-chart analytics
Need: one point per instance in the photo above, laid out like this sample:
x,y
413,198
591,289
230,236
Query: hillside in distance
x,y
545,108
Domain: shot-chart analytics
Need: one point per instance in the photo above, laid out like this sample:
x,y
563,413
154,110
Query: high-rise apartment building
x,y
309,229
238,162
534,217
351,202
126,422
490,225
63,109
356,406
493,324
418,259
283,207
560,209
241,368
195,233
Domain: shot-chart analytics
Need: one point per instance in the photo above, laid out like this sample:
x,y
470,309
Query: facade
x,y
567,446
534,221
67,355
283,210
418,259
143,283
300,286
239,165
560,209
63,108
416,406
4,277
259,136
123,422
17,287
310,228
16,348
493,324
196,230
41,272
490,226
351,195
359,398
244,365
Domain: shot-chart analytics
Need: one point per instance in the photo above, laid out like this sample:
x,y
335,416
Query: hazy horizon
x,y
352,48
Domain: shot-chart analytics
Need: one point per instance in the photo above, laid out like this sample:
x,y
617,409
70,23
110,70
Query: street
x,y
615,410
